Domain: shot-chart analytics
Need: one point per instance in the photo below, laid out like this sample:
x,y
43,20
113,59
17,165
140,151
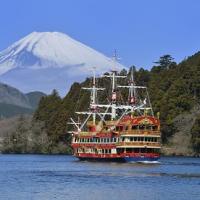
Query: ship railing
x,y
152,144
87,133
140,132
139,154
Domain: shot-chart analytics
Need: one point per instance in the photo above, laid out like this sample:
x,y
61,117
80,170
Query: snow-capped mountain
x,y
47,60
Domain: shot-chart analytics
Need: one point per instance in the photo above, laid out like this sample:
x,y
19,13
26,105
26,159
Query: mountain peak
x,y
39,57
51,49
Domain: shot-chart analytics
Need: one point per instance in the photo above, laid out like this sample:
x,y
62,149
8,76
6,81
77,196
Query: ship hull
x,y
101,159
139,159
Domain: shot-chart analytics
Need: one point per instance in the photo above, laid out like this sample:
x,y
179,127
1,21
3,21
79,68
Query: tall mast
x,y
94,95
133,98
113,75
93,98
132,89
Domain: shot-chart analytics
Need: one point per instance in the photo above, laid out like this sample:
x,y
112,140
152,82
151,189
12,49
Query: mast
x,y
93,98
113,75
133,98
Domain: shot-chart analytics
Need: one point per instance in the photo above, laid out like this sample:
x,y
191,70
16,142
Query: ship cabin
x,y
131,135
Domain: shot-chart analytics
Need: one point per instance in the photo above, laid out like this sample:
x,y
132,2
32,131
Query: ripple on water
x,y
63,177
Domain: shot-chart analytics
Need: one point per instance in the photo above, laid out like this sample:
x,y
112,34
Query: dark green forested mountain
x,y
14,102
174,90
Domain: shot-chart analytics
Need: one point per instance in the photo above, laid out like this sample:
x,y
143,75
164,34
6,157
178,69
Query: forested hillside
x,y
13,102
174,91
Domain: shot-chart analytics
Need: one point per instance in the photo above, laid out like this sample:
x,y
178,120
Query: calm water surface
x,y
30,177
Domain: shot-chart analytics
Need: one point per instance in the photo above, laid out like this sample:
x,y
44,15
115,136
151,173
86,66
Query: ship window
x,y
127,139
136,150
128,150
148,127
141,127
134,127
142,150
138,139
126,128
123,139
131,139
108,139
155,128
119,128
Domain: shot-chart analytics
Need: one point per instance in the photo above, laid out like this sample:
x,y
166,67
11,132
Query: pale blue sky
x,y
141,30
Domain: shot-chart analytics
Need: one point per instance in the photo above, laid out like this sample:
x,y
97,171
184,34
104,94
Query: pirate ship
x,y
126,132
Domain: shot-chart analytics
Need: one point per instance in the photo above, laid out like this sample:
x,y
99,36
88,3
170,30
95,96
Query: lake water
x,y
30,177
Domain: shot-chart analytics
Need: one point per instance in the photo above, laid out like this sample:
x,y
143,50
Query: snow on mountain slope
x,y
46,60
52,49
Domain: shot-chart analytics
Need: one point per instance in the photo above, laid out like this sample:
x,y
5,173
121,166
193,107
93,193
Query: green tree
x,y
196,135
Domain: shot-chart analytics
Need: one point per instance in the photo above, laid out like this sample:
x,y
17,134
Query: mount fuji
x,y
45,61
